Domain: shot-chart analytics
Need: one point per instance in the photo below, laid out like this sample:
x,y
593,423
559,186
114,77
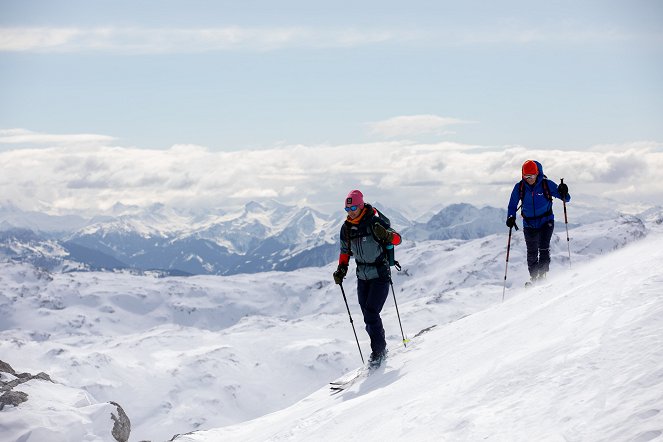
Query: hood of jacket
x,y
540,176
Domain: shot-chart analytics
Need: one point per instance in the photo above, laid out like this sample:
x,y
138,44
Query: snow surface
x,y
578,358
248,357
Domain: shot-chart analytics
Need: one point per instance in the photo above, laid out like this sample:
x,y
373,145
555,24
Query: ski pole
x,y
566,223
393,292
352,323
508,249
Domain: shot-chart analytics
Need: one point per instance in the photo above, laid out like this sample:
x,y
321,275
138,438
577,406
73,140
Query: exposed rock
x,y
43,376
20,378
178,435
122,425
12,398
6,368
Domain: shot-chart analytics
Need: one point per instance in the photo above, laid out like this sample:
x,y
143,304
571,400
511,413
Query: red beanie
x,y
355,198
530,168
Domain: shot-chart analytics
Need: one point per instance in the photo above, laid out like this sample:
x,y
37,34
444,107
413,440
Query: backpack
x,y
387,249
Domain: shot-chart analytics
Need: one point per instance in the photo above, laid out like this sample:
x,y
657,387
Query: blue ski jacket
x,y
537,208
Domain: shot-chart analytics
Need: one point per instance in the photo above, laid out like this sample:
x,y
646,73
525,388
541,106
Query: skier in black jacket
x,y
364,235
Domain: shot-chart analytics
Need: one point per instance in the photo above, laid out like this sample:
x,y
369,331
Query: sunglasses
x,y
351,209
527,177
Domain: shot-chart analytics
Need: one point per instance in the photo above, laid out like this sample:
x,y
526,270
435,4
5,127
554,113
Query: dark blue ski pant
x,y
538,248
372,294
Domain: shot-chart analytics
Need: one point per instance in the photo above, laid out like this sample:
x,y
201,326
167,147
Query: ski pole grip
x,y
390,254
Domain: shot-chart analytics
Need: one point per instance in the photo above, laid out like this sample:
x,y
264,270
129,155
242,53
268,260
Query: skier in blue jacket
x,y
536,192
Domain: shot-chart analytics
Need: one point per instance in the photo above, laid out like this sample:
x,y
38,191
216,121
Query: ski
x,y
344,384
340,385
349,380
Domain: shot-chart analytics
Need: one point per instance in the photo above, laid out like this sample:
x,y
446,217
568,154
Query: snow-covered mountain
x,y
459,221
11,217
198,353
260,237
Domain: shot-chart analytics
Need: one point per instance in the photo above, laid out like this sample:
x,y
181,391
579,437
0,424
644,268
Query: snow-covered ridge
x,y
184,354
260,237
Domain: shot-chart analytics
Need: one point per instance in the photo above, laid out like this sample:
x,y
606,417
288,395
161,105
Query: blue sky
x,y
563,74
543,76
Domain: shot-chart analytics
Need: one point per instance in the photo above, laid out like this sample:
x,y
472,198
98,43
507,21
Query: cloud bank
x,y
413,177
27,137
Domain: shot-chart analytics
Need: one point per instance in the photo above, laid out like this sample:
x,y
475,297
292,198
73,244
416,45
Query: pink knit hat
x,y
355,198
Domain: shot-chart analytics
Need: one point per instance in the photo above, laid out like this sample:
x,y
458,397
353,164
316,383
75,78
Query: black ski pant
x,y
372,294
538,248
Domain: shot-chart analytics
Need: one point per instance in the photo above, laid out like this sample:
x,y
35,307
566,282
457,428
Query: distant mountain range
x,y
259,237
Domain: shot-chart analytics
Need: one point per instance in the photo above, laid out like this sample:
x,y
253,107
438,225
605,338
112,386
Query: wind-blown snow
x,y
577,358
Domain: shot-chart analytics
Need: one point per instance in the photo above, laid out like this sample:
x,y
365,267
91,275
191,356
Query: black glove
x,y
340,273
563,190
382,234
511,221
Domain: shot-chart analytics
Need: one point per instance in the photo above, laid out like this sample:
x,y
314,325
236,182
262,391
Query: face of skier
x,y
530,179
352,214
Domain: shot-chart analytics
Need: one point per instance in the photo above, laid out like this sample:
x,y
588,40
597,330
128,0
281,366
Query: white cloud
x,y
26,137
413,125
27,39
168,40
186,40
414,177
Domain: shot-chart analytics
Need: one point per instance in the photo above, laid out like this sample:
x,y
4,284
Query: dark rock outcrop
x,y
122,426
14,398
121,423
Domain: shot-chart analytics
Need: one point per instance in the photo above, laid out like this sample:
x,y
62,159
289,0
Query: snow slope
x,y
578,358
184,354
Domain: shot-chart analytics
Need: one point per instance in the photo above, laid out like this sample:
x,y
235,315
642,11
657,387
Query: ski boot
x,y
376,359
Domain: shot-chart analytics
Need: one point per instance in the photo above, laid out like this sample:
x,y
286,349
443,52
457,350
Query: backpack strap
x,y
546,194
546,189
544,183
